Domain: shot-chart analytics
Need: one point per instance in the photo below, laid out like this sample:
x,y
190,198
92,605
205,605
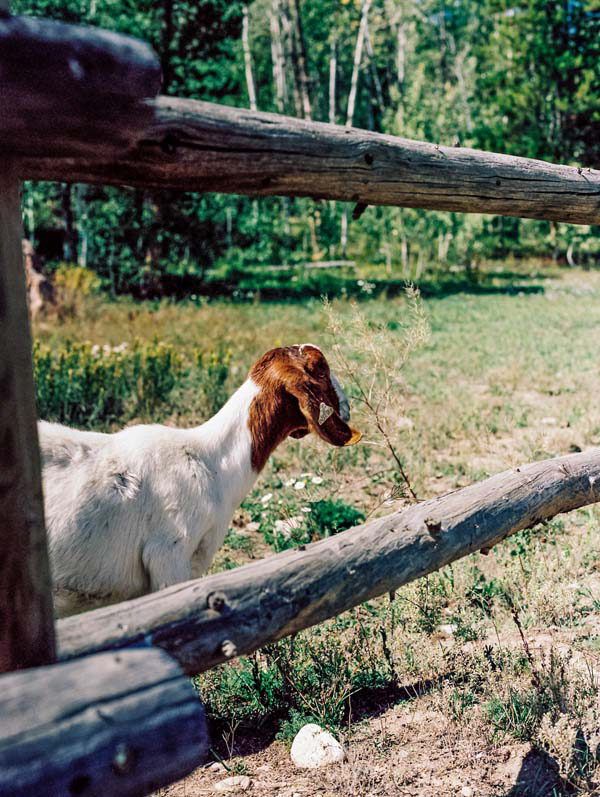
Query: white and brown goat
x,y
126,512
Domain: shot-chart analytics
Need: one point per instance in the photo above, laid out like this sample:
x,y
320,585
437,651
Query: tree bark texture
x,y
192,145
204,622
26,620
113,724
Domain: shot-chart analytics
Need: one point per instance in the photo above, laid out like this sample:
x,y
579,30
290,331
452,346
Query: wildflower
x,y
305,509
266,498
317,480
300,485
289,482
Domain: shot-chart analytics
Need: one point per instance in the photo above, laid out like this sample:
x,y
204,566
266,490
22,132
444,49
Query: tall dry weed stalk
x,y
370,356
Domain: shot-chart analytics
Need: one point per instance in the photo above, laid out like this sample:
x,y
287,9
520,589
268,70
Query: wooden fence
x,y
117,714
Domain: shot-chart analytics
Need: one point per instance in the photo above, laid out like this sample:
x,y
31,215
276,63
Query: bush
x,y
91,386
87,385
74,285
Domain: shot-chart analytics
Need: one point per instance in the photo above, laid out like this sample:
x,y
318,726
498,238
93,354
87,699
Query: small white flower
x,y
266,498
304,475
317,480
289,482
305,509
299,485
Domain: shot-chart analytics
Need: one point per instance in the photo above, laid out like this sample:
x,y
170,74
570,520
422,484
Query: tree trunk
x,y
277,56
70,240
302,61
360,38
291,55
248,60
332,78
378,91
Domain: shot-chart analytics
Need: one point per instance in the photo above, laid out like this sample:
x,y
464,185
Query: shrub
x,y
92,386
74,285
212,370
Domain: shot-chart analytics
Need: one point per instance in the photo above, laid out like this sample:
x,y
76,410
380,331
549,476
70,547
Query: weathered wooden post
x,y
89,79
26,622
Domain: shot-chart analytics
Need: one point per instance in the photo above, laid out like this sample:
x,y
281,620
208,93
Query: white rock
x,y
234,783
313,747
448,629
216,766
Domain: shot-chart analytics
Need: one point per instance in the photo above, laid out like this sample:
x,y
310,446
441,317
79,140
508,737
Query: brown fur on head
x,y
296,397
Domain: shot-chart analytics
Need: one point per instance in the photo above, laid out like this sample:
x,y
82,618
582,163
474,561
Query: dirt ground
x,y
405,749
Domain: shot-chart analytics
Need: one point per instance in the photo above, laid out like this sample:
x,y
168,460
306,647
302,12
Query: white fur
x,y
125,512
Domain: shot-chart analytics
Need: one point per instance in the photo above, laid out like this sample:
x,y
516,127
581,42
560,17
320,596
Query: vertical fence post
x,y
26,621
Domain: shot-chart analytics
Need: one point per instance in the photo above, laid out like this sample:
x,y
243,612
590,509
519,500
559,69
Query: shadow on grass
x,y
249,286
366,703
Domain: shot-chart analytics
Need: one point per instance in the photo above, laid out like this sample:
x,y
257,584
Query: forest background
x,y
501,75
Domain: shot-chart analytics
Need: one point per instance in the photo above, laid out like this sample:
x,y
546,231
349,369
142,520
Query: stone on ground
x,y
314,747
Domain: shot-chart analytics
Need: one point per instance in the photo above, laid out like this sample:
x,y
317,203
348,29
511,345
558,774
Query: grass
x,y
506,643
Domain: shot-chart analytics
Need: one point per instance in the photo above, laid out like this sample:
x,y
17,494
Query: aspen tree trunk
x,y
291,56
357,59
374,76
70,239
332,78
302,61
277,56
352,102
248,60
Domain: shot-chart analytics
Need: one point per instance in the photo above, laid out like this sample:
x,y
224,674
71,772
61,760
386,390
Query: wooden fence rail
x,y
207,621
111,724
200,146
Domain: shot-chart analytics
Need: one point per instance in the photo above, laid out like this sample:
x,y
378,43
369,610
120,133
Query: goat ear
x,y
325,421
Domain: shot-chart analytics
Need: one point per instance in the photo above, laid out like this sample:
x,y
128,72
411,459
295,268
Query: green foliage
x,y
301,679
212,371
92,386
519,79
87,386
288,521
74,285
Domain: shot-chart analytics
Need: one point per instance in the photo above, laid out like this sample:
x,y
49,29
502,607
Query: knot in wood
x,y
228,648
217,601
169,144
434,527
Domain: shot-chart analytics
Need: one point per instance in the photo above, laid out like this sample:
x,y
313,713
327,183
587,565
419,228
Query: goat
x,y
125,512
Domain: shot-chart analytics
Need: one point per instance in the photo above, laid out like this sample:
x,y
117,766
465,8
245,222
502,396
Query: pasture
x,y
480,677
